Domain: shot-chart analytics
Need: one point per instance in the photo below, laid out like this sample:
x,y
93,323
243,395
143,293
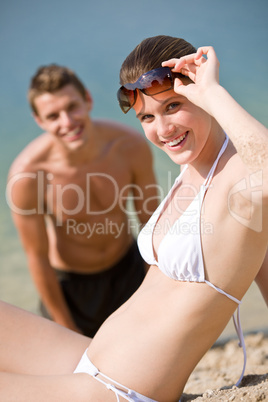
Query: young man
x,y
68,192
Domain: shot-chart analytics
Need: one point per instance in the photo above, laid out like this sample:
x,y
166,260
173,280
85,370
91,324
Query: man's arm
x,y
31,227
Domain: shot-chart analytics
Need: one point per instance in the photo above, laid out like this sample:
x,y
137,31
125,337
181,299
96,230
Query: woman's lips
x,y
176,140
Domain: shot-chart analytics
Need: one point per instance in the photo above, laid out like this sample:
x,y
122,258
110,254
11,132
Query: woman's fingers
x,y
207,51
177,64
201,67
194,59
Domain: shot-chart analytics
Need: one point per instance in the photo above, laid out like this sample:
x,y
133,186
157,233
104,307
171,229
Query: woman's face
x,y
174,124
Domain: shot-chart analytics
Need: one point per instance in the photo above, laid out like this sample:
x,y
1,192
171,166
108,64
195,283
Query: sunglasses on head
x,y
151,83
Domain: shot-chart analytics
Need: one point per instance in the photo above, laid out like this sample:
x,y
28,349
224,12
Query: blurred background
x,y
93,38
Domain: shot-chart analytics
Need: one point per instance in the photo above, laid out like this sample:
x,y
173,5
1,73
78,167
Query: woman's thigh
x,y
30,344
67,388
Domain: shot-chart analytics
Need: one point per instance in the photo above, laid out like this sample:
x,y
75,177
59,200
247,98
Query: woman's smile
x,y
177,142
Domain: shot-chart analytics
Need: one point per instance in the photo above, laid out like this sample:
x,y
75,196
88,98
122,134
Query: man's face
x,y
64,114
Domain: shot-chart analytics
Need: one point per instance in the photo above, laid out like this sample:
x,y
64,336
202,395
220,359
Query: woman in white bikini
x,y
205,244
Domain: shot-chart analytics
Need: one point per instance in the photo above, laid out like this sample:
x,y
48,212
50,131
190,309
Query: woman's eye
x,y
173,105
146,117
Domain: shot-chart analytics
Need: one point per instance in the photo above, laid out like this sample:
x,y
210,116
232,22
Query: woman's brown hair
x,y
150,53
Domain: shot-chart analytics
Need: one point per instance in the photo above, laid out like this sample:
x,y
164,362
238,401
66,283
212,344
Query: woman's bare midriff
x,y
152,343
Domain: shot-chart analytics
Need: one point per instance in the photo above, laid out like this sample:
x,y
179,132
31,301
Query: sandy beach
x,y
214,377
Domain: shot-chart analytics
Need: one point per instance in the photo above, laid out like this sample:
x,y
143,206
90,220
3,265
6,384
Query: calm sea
x,y
93,38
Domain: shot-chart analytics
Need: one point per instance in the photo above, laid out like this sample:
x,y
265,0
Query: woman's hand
x,y
203,71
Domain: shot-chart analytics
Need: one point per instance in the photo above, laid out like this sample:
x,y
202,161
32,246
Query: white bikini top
x,y
180,254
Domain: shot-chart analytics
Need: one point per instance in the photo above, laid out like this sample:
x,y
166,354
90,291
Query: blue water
x,y
93,38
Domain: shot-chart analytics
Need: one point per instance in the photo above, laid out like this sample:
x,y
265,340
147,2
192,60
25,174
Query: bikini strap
x,y
238,327
213,168
112,386
223,292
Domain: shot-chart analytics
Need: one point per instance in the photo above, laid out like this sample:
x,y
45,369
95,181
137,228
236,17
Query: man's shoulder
x,y
118,129
31,155
124,137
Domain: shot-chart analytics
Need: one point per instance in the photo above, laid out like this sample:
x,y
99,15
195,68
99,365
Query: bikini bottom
x,y
86,366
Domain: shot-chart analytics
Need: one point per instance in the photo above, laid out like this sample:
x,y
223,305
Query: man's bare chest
x,y
84,192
